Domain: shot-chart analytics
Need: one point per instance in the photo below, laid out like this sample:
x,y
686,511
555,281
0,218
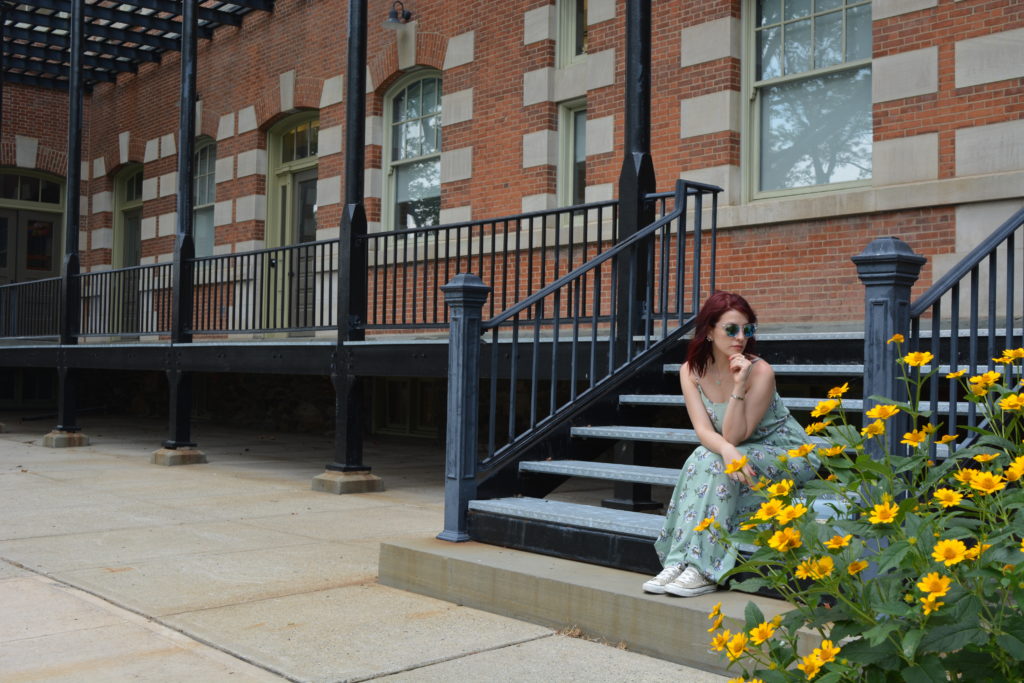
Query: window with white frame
x,y
811,93
572,164
128,217
412,153
572,30
292,181
204,197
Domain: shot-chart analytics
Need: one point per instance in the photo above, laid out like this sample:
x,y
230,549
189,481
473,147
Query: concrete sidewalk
x,y
113,569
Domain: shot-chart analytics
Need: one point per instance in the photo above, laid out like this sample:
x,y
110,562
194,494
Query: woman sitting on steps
x,y
737,414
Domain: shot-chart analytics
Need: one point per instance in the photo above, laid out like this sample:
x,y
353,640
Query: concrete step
x,y
852,405
573,514
840,370
627,433
661,476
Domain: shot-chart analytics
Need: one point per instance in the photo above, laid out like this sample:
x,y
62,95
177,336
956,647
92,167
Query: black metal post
x,y
888,267
180,383
70,286
352,264
465,296
637,177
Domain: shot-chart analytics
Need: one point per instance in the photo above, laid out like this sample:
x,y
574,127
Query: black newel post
x,y
888,267
67,432
179,449
465,296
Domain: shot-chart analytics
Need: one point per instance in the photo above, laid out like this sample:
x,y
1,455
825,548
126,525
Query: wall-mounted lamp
x,y
398,16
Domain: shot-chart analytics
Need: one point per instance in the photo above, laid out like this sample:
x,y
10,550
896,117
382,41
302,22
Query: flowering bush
x,y
920,575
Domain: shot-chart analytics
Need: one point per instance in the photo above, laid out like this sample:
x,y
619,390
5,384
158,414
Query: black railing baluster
x,y
574,347
1010,289
556,321
992,307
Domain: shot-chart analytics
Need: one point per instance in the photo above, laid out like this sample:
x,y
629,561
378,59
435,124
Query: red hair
x,y
698,353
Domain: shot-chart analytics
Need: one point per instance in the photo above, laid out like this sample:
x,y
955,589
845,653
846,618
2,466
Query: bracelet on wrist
x,y
738,398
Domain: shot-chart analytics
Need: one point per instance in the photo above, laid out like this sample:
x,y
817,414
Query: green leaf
x,y
879,633
862,653
928,670
891,556
952,637
1012,645
911,639
749,585
753,614
831,677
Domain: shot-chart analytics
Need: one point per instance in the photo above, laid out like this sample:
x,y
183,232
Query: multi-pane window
x,y
204,197
414,158
293,179
812,92
29,188
572,172
128,241
572,30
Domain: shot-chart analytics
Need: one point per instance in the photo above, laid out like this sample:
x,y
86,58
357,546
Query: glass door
x,y
303,271
8,248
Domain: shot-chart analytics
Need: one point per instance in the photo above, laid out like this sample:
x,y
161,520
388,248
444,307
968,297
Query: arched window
x,y
291,183
204,196
127,217
31,208
412,153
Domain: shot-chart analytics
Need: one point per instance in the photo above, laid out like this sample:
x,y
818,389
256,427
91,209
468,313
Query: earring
x,y
707,339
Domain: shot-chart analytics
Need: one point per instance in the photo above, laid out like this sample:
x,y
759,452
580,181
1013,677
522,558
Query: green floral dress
x,y
704,490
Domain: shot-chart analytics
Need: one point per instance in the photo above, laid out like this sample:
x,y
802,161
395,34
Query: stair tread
x,y
852,369
663,476
793,402
574,514
664,434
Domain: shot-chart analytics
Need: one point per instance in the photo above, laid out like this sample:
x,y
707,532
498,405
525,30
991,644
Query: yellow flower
x,y
1022,545
975,551
736,646
720,639
736,465
965,475
980,384
985,457
897,338
949,551
987,482
882,412
934,584
785,539
948,438
836,392
929,428
830,451
947,497
1014,471
827,652
856,567
762,632
874,429
837,542
810,665
715,624
916,359
884,513
954,375
815,569
914,438
1012,402
716,610
930,603
816,427
782,488
768,509
708,521
800,451
789,513
824,408
761,483
1014,353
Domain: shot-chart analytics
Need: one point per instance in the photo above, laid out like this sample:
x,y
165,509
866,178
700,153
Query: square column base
x,y
3,428
59,439
347,482
178,456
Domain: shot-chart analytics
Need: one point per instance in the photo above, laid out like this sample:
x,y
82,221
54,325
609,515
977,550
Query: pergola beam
x,y
58,57
112,14
52,21
55,69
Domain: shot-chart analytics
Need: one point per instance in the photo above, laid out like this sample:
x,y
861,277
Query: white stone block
x,y
99,167
168,184
539,202
540,148
224,169
286,90
460,50
329,141
537,85
103,202
251,208
598,193
249,245
712,40
83,206
332,91
571,82
600,69
905,160
373,182
102,238
405,45
905,74
991,58
226,126
369,81
457,107
152,152
456,164
539,24
167,224
711,113
328,191
252,162
726,177
456,214
375,128
147,229
990,149
149,189
123,142
167,146
84,170
600,10
975,222
600,135
883,9
222,212
246,119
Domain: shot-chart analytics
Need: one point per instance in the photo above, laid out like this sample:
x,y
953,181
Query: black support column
x,y
179,449
67,432
348,474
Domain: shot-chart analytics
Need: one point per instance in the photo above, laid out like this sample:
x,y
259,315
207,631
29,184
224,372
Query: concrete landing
x,y
605,603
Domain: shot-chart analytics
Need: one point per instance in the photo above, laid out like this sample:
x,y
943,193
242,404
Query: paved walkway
x,y
114,569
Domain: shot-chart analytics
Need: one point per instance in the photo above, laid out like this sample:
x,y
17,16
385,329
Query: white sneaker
x,y
690,583
658,583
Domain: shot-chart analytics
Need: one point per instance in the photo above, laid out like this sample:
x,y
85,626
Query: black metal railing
x,y
126,302
972,314
514,255
534,382
30,309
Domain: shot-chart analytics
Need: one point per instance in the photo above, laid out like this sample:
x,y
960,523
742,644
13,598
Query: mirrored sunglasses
x,y
732,329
